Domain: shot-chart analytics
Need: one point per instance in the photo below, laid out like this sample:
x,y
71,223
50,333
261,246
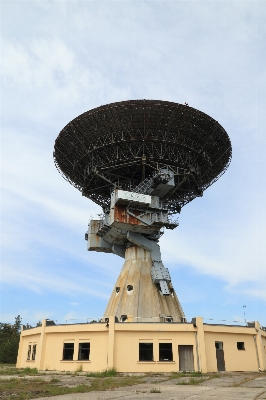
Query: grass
x,y
55,380
80,368
22,388
177,375
192,375
12,370
112,383
27,388
154,390
111,372
7,365
192,381
186,374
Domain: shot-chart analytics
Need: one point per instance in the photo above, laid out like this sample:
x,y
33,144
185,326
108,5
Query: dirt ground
x,y
229,386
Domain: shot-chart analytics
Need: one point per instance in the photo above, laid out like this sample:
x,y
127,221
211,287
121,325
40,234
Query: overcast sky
x,y
62,58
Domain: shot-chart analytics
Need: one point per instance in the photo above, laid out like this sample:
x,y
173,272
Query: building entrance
x,y
186,359
220,356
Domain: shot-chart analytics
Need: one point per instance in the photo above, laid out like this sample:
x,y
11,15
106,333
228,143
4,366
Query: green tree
x,y
18,323
9,341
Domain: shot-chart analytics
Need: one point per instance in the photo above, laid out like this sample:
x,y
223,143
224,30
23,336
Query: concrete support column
x,y
201,345
263,349
111,343
40,352
20,350
259,347
136,295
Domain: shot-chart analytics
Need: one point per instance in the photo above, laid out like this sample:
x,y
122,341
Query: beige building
x,y
143,346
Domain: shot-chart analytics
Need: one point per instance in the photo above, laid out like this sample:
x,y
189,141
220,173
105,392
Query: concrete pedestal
x,y
137,296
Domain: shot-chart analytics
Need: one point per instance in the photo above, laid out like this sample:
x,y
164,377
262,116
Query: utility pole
x,y
245,314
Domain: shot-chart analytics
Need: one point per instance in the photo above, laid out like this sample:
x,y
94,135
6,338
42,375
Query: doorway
x,y
220,356
186,358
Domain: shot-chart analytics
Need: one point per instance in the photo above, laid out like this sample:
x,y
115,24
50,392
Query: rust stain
x,y
120,215
97,240
95,225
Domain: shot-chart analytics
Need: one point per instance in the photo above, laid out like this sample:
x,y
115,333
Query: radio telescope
x,y
141,161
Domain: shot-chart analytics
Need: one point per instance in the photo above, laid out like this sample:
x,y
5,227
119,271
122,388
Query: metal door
x,y
220,359
186,358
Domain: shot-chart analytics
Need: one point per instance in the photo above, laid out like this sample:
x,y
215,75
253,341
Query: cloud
x,y
29,316
38,281
63,58
50,68
227,250
74,303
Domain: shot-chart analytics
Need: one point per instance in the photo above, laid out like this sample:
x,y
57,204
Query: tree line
x,y
9,340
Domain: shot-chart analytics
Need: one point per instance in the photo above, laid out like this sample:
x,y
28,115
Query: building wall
x,y
52,348
235,360
263,346
30,337
127,354
117,345
98,349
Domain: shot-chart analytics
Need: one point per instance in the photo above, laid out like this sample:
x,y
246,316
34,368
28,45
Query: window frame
x,y
240,346
34,349
142,359
67,349
29,351
161,359
86,348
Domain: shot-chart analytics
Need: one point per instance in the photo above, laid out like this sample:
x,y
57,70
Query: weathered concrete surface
x,y
169,392
259,382
145,300
228,386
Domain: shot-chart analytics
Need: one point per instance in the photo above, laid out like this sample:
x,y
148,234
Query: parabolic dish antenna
x,y
141,161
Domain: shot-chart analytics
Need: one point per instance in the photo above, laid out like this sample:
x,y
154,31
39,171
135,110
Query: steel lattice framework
x,y
122,143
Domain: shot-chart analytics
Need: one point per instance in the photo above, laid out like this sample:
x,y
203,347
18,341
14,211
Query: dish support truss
x,y
137,219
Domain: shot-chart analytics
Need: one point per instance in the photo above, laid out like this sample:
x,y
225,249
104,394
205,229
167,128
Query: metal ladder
x,y
143,186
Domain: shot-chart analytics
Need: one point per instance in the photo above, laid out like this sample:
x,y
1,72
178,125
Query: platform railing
x,y
128,319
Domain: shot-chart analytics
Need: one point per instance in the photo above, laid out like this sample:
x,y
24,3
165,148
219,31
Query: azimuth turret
x,y
141,161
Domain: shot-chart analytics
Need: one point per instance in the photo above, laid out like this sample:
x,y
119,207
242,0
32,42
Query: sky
x,y
62,58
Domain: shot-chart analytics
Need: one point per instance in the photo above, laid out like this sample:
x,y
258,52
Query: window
x,y
68,351
29,352
146,352
219,345
33,352
165,352
240,345
84,351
